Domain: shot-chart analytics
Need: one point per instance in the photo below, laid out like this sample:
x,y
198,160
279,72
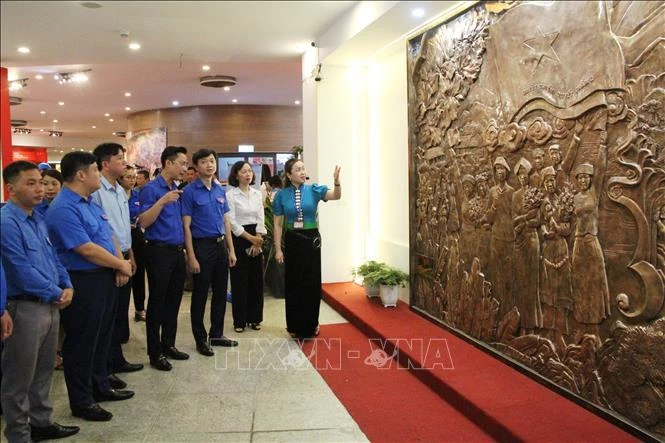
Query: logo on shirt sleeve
x,y
220,200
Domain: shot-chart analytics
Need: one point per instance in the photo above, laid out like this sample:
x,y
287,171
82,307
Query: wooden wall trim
x,y
224,127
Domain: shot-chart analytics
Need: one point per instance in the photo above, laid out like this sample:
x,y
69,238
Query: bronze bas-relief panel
x,y
537,159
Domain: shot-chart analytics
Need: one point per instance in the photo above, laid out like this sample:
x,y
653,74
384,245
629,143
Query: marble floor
x,y
264,390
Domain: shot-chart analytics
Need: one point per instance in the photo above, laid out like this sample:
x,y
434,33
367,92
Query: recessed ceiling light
x,y
39,76
107,115
61,103
175,102
111,120
55,121
297,102
205,67
128,94
61,151
24,50
42,112
127,108
94,127
235,100
134,46
418,12
227,88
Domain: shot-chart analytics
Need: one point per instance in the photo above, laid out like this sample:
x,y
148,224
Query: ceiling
x,y
259,43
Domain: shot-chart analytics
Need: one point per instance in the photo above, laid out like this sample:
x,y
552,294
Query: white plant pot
x,y
389,295
371,291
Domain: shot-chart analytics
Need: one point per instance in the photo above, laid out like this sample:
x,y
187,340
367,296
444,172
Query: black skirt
x,y
302,263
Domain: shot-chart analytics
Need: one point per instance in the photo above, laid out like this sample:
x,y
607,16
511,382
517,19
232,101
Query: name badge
x,y
298,225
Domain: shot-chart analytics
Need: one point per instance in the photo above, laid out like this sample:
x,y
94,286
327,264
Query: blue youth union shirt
x,y
167,228
206,207
73,221
31,261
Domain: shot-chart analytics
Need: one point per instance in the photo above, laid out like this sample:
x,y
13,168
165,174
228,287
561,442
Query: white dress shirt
x,y
245,209
113,200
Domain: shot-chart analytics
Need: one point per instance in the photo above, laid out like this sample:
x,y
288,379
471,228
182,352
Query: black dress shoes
x,y
112,395
205,349
128,367
116,383
175,354
223,341
94,412
52,432
161,363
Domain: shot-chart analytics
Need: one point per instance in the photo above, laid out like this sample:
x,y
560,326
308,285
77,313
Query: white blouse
x,y
245,210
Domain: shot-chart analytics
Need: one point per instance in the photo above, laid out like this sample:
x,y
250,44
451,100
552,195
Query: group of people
x,y
70,256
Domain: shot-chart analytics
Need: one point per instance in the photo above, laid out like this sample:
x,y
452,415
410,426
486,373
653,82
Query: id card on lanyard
x,y
299,221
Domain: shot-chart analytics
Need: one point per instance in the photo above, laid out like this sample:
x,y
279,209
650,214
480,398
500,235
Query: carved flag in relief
x,y
562,64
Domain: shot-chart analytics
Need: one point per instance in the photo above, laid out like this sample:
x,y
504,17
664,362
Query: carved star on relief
x,y
541,48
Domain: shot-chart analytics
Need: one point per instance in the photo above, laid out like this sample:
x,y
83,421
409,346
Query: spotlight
x,y
72,77
22,131
55,133
17,85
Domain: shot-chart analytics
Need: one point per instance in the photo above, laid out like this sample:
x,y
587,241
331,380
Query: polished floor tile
x,y
264,390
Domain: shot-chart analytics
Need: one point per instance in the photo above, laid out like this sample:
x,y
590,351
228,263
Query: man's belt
x,y
210,239
159,244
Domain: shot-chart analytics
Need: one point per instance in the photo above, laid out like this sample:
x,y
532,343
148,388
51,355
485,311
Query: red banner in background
x,y
35,155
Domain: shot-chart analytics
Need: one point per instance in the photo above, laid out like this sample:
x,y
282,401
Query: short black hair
x,y
171,152
202,153
53,173
13,170
72,162
191,168
105,151
144,173
275,181
233,174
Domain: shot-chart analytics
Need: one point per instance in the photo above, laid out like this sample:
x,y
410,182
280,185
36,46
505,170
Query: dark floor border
x,y
612,417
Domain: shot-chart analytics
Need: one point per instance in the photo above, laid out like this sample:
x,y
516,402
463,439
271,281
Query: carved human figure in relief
x,y
591,294
538,156
556,161
479,207
555,271
526,221
467,237
502,238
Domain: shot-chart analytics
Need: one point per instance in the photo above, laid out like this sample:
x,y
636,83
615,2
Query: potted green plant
x,y
365,271
389,280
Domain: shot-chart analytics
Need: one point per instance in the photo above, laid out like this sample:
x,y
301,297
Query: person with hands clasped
x,y
80,232
298,203
165,257
38,287
247,222
210,250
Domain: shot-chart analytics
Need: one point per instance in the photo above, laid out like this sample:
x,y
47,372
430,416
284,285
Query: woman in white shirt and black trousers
x,y
247,222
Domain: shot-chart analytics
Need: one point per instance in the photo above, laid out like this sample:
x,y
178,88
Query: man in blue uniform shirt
x,y
113,201
80,231
165,258
37,288
205,220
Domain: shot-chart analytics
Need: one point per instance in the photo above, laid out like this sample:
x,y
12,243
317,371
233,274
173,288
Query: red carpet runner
x,y
470,385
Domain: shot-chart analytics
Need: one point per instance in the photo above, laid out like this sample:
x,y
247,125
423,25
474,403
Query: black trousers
x,y
120,328
88,324
246,283
166,277
302,266
213,260
138,280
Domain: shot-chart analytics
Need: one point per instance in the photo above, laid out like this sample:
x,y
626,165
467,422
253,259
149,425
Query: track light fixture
x,y
22,131
17,85
72,77
55,133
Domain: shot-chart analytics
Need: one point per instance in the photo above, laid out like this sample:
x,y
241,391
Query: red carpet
x,y
388,402
506,404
